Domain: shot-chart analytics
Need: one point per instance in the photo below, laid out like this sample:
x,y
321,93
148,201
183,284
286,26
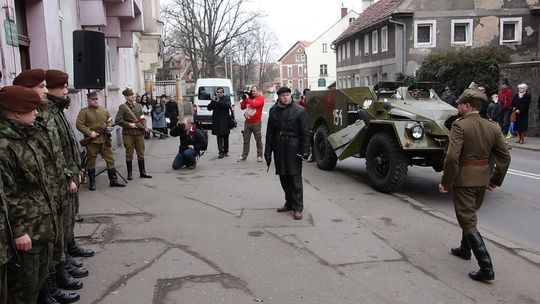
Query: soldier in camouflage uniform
x,y
48,139
29,199
129,118
5,244
95,122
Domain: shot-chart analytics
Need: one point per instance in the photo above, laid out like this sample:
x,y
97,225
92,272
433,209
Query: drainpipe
x,y
404,46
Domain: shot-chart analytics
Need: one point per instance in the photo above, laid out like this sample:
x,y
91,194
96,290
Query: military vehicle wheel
x,y
385,163
325,157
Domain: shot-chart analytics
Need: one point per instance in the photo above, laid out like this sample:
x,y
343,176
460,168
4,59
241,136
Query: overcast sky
x,y
294,20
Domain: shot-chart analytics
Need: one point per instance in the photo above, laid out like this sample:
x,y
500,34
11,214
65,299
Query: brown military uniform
x,y
473,142
133,137
96,119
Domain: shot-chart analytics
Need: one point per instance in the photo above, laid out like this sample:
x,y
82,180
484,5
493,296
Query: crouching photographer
x,y
192,142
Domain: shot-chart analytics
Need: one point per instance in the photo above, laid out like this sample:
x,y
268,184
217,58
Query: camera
x,y
247,94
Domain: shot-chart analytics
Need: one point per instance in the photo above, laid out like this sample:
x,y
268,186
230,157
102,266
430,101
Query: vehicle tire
x,y
386,164
324,154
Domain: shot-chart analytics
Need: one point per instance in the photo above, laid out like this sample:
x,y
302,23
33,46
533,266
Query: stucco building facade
x,y
38,34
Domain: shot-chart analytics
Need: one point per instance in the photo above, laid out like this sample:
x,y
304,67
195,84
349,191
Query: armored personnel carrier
x,y
390,125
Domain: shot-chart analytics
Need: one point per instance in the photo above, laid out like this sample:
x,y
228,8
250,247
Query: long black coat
x,y
287,136
171,112
220,115
522,104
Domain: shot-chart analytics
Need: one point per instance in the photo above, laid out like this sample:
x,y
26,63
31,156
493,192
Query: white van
x,y
205,90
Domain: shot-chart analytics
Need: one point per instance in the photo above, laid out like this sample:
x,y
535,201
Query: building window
x,y
351,20
366,44
510,31
425,33
321,83
343,52
375,42
325,48
462,31
348,50
302,58
339,53
356,47
300,71
301,85
323,70
384,39
289,71
297,57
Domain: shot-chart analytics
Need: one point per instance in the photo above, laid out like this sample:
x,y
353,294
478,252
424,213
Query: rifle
x,y
85,141
140,125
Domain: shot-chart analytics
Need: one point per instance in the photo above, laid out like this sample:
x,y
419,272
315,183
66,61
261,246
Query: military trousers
x,y
92,151
134,142
27,275
255,129
294,192
467,201
3,284
58,252
68,219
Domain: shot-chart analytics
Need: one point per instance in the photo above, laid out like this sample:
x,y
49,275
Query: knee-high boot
x,y
91,179
463,251
485,273
113,179
142,170
129,167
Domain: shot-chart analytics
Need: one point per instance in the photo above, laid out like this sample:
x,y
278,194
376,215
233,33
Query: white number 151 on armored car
x,y
389,125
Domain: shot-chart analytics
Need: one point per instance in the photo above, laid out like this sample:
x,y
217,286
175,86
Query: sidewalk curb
x,y
525,148
530,256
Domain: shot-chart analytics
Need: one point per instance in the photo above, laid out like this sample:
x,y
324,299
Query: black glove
x,y
268,160
305,156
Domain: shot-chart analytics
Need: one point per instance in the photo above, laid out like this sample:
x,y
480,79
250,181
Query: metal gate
x,y
167,87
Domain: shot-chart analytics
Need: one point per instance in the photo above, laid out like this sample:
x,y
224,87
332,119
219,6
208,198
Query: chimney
x,y
343,12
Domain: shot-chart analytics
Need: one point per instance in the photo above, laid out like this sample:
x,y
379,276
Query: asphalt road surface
x,y
512,211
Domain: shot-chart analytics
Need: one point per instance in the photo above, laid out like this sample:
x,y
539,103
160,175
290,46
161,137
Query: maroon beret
x,y
56,78
30,78
18,99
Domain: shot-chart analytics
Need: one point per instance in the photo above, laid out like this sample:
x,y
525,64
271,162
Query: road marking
x,y
524,174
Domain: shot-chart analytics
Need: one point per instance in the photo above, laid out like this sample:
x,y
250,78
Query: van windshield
x,y
208,92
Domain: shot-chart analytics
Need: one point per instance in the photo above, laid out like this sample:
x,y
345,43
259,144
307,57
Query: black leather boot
x,y
92,179
64,280
45,296
482,255
142,171
59,295
76,272
113,179
129,167
75,250
463,251
74,262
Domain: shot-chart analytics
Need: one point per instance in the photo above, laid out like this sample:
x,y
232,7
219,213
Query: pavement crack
x,y
209,205
227,281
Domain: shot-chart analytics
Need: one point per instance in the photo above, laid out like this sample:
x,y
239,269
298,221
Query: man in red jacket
x,y
252,106
505,97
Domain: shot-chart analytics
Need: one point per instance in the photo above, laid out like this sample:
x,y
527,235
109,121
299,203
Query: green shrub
x,y
459,68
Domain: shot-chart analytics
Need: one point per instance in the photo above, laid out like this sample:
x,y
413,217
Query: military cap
x,y
29,78
92,94
283,90
56,78
127,92
472,97
19,99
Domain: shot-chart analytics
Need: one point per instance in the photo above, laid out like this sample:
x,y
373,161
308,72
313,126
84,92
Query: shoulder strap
x,y
131,112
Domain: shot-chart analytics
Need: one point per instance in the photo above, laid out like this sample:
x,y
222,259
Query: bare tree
x,y
267,43
203,29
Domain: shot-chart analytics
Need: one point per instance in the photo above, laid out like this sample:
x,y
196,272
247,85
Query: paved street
x,y
211,235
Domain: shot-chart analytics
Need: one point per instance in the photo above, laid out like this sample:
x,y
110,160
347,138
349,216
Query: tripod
x,y
84,171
